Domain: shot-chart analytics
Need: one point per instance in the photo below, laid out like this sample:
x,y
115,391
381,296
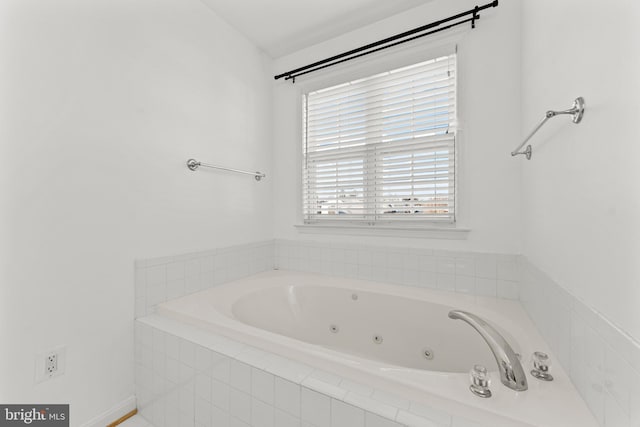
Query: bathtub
x,y
393,338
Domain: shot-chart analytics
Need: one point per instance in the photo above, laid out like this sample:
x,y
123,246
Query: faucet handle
x,y
480,381
541,363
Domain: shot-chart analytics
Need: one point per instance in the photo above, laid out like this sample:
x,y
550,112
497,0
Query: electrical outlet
x,y
50,364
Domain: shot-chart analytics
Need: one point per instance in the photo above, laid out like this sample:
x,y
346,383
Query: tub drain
x,y
378,339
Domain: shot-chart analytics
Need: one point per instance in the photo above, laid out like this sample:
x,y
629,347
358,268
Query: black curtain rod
x,y
349,55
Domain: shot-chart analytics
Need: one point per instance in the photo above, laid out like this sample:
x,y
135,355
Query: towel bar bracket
x,y
576,110
193,165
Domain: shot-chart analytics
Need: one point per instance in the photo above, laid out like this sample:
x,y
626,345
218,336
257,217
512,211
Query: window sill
x,y
428,231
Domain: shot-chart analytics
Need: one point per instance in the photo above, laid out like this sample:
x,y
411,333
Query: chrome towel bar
x,y
193,164
577,111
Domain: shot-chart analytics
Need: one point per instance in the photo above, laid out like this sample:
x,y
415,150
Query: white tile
x,y
428,279
617,376
146,357
508,270
508,290
283,419
203,359
187,373
156,293
288,369
428,263
287,396
390,399
446,265
175,289
175,271
411,277
187,353
221,367
379,258
192,284
207,263
315,408
240,405
240,376
262,385
253,356
158,418
356,387
614,415
219,418
373,420
344,415
466,285
141,307
172,369
486,266
486,287
438,416
202,413
634,400
369,404
396,260
327,389
144,377
262,415
172,346
203,386
446,282
413,420
158,341
234,422
159,363
465,266
192,268
186,401
463,422
364,256
156,274
220,394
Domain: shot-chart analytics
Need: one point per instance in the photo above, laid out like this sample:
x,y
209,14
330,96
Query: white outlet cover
x,y
41,363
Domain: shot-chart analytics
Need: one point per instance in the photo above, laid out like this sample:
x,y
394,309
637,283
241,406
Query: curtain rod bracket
x,y
475,17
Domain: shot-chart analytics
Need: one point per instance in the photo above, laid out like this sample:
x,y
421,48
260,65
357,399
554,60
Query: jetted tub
x,y
395,338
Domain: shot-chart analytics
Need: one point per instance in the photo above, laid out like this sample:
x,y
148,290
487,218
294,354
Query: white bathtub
x,y
393,338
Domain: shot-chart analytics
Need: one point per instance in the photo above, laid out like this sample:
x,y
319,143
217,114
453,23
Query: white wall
x,y
101,104
580,205
489,93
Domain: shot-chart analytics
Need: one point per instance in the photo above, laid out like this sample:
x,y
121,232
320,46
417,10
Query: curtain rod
x,y
370,48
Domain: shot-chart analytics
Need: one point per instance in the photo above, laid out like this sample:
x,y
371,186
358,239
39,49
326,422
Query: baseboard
x,y
117,413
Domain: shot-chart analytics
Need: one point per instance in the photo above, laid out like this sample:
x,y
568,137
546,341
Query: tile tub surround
x,y
158,280
191,378
602,361
483,274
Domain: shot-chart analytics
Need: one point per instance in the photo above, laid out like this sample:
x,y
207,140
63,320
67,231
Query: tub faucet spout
x,y
511,373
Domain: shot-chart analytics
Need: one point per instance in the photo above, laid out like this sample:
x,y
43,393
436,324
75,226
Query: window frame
x,y
358,69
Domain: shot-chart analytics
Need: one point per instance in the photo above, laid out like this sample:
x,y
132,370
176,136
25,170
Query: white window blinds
x,y
382,148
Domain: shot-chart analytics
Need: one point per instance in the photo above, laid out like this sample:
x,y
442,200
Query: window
x,y
382,149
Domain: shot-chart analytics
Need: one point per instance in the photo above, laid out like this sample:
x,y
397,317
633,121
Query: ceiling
x,y
280,27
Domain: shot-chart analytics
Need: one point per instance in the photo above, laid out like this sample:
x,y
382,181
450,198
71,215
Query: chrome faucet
x,y
511,373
